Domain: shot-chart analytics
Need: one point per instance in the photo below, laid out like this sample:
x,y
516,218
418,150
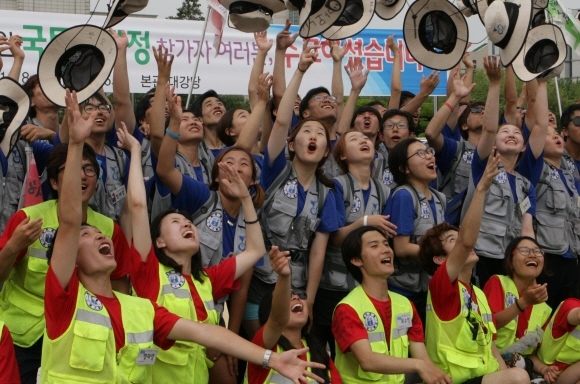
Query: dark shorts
x,y
475,380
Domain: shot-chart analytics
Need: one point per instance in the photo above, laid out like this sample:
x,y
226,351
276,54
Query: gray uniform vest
x,y
146,164
409,274
567,162
281,228
109,195
557,222
206,157
457,177
335,276
502,217
381,170
330,168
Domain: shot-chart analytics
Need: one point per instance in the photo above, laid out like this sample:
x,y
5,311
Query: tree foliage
x,y
189,10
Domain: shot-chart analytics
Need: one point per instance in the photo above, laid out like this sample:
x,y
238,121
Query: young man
x,y
210,109
571,132
375,329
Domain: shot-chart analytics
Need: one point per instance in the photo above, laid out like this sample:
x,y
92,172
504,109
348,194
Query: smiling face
x,y
95,253
554,147
309,145
552,120
212,110
418,168
377,258
88,183
101,120
529,266
509,140
177,234
322,110
190,128
242,164
392,137
358,148
298,312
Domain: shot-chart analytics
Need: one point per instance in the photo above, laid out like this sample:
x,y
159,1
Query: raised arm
x,y
15,43
251,131
537,138
358,78
121,93
266,125
511,96
428,85
157,118
70,212
396,82
492,66
264,46
337,87
468,77
531,92
284,40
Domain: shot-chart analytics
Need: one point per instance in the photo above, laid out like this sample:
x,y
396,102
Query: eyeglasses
x,y
576,121
422,153
525,251
400,125
476,109
90,108
88,169
300,293
321,98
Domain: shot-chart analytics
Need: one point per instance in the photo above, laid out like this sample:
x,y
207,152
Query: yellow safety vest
x,y
450,343
401,320
22,296
185,362
506,336
565,349
86,352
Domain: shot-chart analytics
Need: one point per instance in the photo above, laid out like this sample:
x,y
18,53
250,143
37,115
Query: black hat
x,y
121,9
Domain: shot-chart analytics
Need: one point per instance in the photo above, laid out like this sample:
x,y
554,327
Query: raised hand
x,y
122,40
383,223
291,366
466,60
429,84
285,39
15,46
337,51
126,140
164,61
491,171
458,84
492,66
356,73
309,55
233,183
262,41
174,101
392,44
79,128
264,85
279,261
534,294
31,133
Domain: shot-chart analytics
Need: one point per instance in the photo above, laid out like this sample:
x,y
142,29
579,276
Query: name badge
x,y
404,320
147,356
525,205
578,203
118,194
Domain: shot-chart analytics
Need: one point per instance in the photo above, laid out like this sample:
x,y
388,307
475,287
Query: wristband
x,y
301,70
449,106
365,220
518,305
266,359
172,135
251,222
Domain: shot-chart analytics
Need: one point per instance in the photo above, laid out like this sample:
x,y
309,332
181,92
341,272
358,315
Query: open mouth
x,y
105,249
386,260
431,166
218,112
367,124
99,121
297,308
84,187
188,235
532,264
327,106
365,148
312,147
511,142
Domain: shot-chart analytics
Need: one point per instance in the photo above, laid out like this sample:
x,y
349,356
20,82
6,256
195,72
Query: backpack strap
x,y
202,212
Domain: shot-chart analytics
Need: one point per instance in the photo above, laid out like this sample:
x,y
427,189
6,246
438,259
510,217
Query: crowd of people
x,y
343,247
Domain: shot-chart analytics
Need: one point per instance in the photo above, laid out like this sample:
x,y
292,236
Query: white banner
x,y
229,72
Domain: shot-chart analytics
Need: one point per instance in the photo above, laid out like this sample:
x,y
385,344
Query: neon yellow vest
x,y
86,352
565,349
185,362
22,296
347,364
1,330
451,346
506,336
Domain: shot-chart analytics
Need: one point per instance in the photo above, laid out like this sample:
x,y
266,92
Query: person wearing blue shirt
x,y
571,131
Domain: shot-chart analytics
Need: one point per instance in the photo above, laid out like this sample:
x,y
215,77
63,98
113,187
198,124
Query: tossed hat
x,y
507,23
81,59
481,7
14,106
467,7
388,9
356,16
121,9
316,16
435,33
539,12
542,55
252,16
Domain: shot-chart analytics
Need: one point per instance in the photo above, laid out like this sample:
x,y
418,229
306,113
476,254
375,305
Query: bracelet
x,y
266,359
172,135
449,106
518,305
365,220
251,222
301,70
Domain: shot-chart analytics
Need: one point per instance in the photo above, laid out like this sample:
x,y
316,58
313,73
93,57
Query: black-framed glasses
x,y
321,98
300,293
576,121
90,108
476,109
401,125
88,169
525,251
422,153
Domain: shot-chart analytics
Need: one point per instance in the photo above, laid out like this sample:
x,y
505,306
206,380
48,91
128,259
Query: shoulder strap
x,y
278,181
381,190
120,160
441,197
202,212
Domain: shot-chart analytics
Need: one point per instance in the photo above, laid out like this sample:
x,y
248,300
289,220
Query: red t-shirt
x,y
9,373
145,279
348,328
258,375
120,244
60,305
445,295
560,326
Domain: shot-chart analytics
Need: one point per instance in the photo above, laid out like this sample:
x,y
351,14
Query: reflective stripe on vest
x,y
139,338
38,253
93,318
565,349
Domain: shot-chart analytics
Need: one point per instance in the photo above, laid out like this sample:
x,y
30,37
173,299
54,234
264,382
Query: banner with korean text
x,y
229,71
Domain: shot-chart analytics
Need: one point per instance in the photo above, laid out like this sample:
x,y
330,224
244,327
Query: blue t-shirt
x,y
400,207
327,215
341,209
444,159
530,167
451,134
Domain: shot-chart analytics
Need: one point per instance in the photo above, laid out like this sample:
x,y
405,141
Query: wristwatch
x,y
266,359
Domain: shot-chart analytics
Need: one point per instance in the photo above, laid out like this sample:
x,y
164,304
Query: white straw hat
x,y
357,14
121,9
14,107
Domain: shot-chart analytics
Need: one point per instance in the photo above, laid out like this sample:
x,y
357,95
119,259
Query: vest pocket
x,y
556,199
89,338
462,367
281,216
25,314
209,246
461,178
176,355
496,205
36,275
573,343
550,231
493,238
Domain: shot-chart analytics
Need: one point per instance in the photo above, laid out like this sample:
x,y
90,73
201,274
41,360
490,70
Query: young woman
x,y
284,318
518,302
414,208
95,334
299,212
360,200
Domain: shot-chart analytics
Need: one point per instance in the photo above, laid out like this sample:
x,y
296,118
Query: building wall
x,y
54,6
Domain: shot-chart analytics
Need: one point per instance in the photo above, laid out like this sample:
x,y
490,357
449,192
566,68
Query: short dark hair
x,y
566,117
29,86
462,120
99,97
197,104
398,112
352,249
306,99
375,102
398,160
363,109
143,106
57,158
405,96
431,245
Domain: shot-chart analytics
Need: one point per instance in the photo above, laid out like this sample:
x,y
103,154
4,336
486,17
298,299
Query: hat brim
x,y
128,7
389,12
314,24
275,5
14,91
542,32
255,21
427,58
481,6
78,35
346,31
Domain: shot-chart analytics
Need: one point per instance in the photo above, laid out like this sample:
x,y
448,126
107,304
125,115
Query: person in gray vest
x,y
360,200
210,109
571,134
511,200
299,211
414,208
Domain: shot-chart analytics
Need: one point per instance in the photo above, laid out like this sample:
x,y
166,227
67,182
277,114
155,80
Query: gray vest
x,y
567,162
108,197
502,217
146,164
281,228
381,170
335,276
206,157
456,179
330,168
409,274
557,221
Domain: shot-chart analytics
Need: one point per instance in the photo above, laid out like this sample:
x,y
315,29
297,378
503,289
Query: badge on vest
x,y
215,221
47,237
242,245
571,165
314,208
404,320
525,205
93,303
355,205
510,299
468,156
375,209
147,356
502,177
554,174
371,321
466,299
118,194
387,177
291,189
425,210
176,280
